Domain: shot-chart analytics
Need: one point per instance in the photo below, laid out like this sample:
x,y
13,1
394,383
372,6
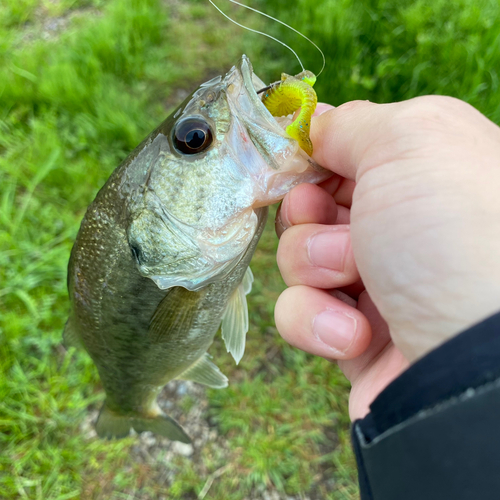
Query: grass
x,y
81,82
385,51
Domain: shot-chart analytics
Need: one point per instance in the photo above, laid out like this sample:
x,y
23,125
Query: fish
x,y
161,259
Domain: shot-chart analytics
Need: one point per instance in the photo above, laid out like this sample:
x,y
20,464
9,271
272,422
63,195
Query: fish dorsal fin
x,y
175,313
235,319
205,372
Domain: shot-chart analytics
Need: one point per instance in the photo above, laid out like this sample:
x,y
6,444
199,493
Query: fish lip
x,y
249,78
246,70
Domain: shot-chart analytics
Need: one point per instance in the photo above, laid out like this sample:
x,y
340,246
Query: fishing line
x,y
290,28
269,36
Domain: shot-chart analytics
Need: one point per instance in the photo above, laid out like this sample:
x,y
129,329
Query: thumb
x,y
342,135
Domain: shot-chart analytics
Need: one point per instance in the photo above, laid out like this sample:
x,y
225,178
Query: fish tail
x,y
112,425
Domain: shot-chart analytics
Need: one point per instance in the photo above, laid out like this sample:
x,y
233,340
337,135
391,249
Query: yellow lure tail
x,y
290,94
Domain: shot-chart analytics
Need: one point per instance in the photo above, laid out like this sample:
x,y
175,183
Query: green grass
x,y
81,83
387,50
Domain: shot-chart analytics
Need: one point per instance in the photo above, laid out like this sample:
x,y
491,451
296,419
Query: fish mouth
x,y
281,153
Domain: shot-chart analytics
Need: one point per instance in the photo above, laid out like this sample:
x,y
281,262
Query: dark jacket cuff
x,y
433,433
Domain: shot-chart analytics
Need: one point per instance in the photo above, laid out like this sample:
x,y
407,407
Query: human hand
x,y
400,249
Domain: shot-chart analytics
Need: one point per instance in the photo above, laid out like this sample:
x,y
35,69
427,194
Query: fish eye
x,y
192,136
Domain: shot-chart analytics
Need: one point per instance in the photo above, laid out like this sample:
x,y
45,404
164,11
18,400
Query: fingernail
x,y
284,212
281,222
335,329
279,227
328,249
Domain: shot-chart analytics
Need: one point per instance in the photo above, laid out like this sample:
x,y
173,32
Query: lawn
x,y
81,83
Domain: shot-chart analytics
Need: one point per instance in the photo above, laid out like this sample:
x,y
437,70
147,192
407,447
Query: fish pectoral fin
x,y
235,319
203,371
70,336
112,425
173,314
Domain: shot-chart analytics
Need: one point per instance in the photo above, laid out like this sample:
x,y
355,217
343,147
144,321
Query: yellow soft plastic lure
x,y
285,97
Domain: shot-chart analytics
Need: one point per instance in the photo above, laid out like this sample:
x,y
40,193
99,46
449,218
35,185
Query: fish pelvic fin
x,y
112,425
235,320
203,371
71,338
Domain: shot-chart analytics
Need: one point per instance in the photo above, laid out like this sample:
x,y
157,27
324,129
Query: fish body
x,y
161,258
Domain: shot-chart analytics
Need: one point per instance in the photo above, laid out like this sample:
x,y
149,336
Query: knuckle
x,y
431,113
352,105
422,124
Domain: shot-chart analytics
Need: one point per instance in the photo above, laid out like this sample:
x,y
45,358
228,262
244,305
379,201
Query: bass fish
x,y
162,255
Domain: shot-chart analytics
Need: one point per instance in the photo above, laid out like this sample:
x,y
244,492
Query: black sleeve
x,y
434,432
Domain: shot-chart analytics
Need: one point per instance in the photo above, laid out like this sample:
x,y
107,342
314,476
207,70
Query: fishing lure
x,y
284,97
287,96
